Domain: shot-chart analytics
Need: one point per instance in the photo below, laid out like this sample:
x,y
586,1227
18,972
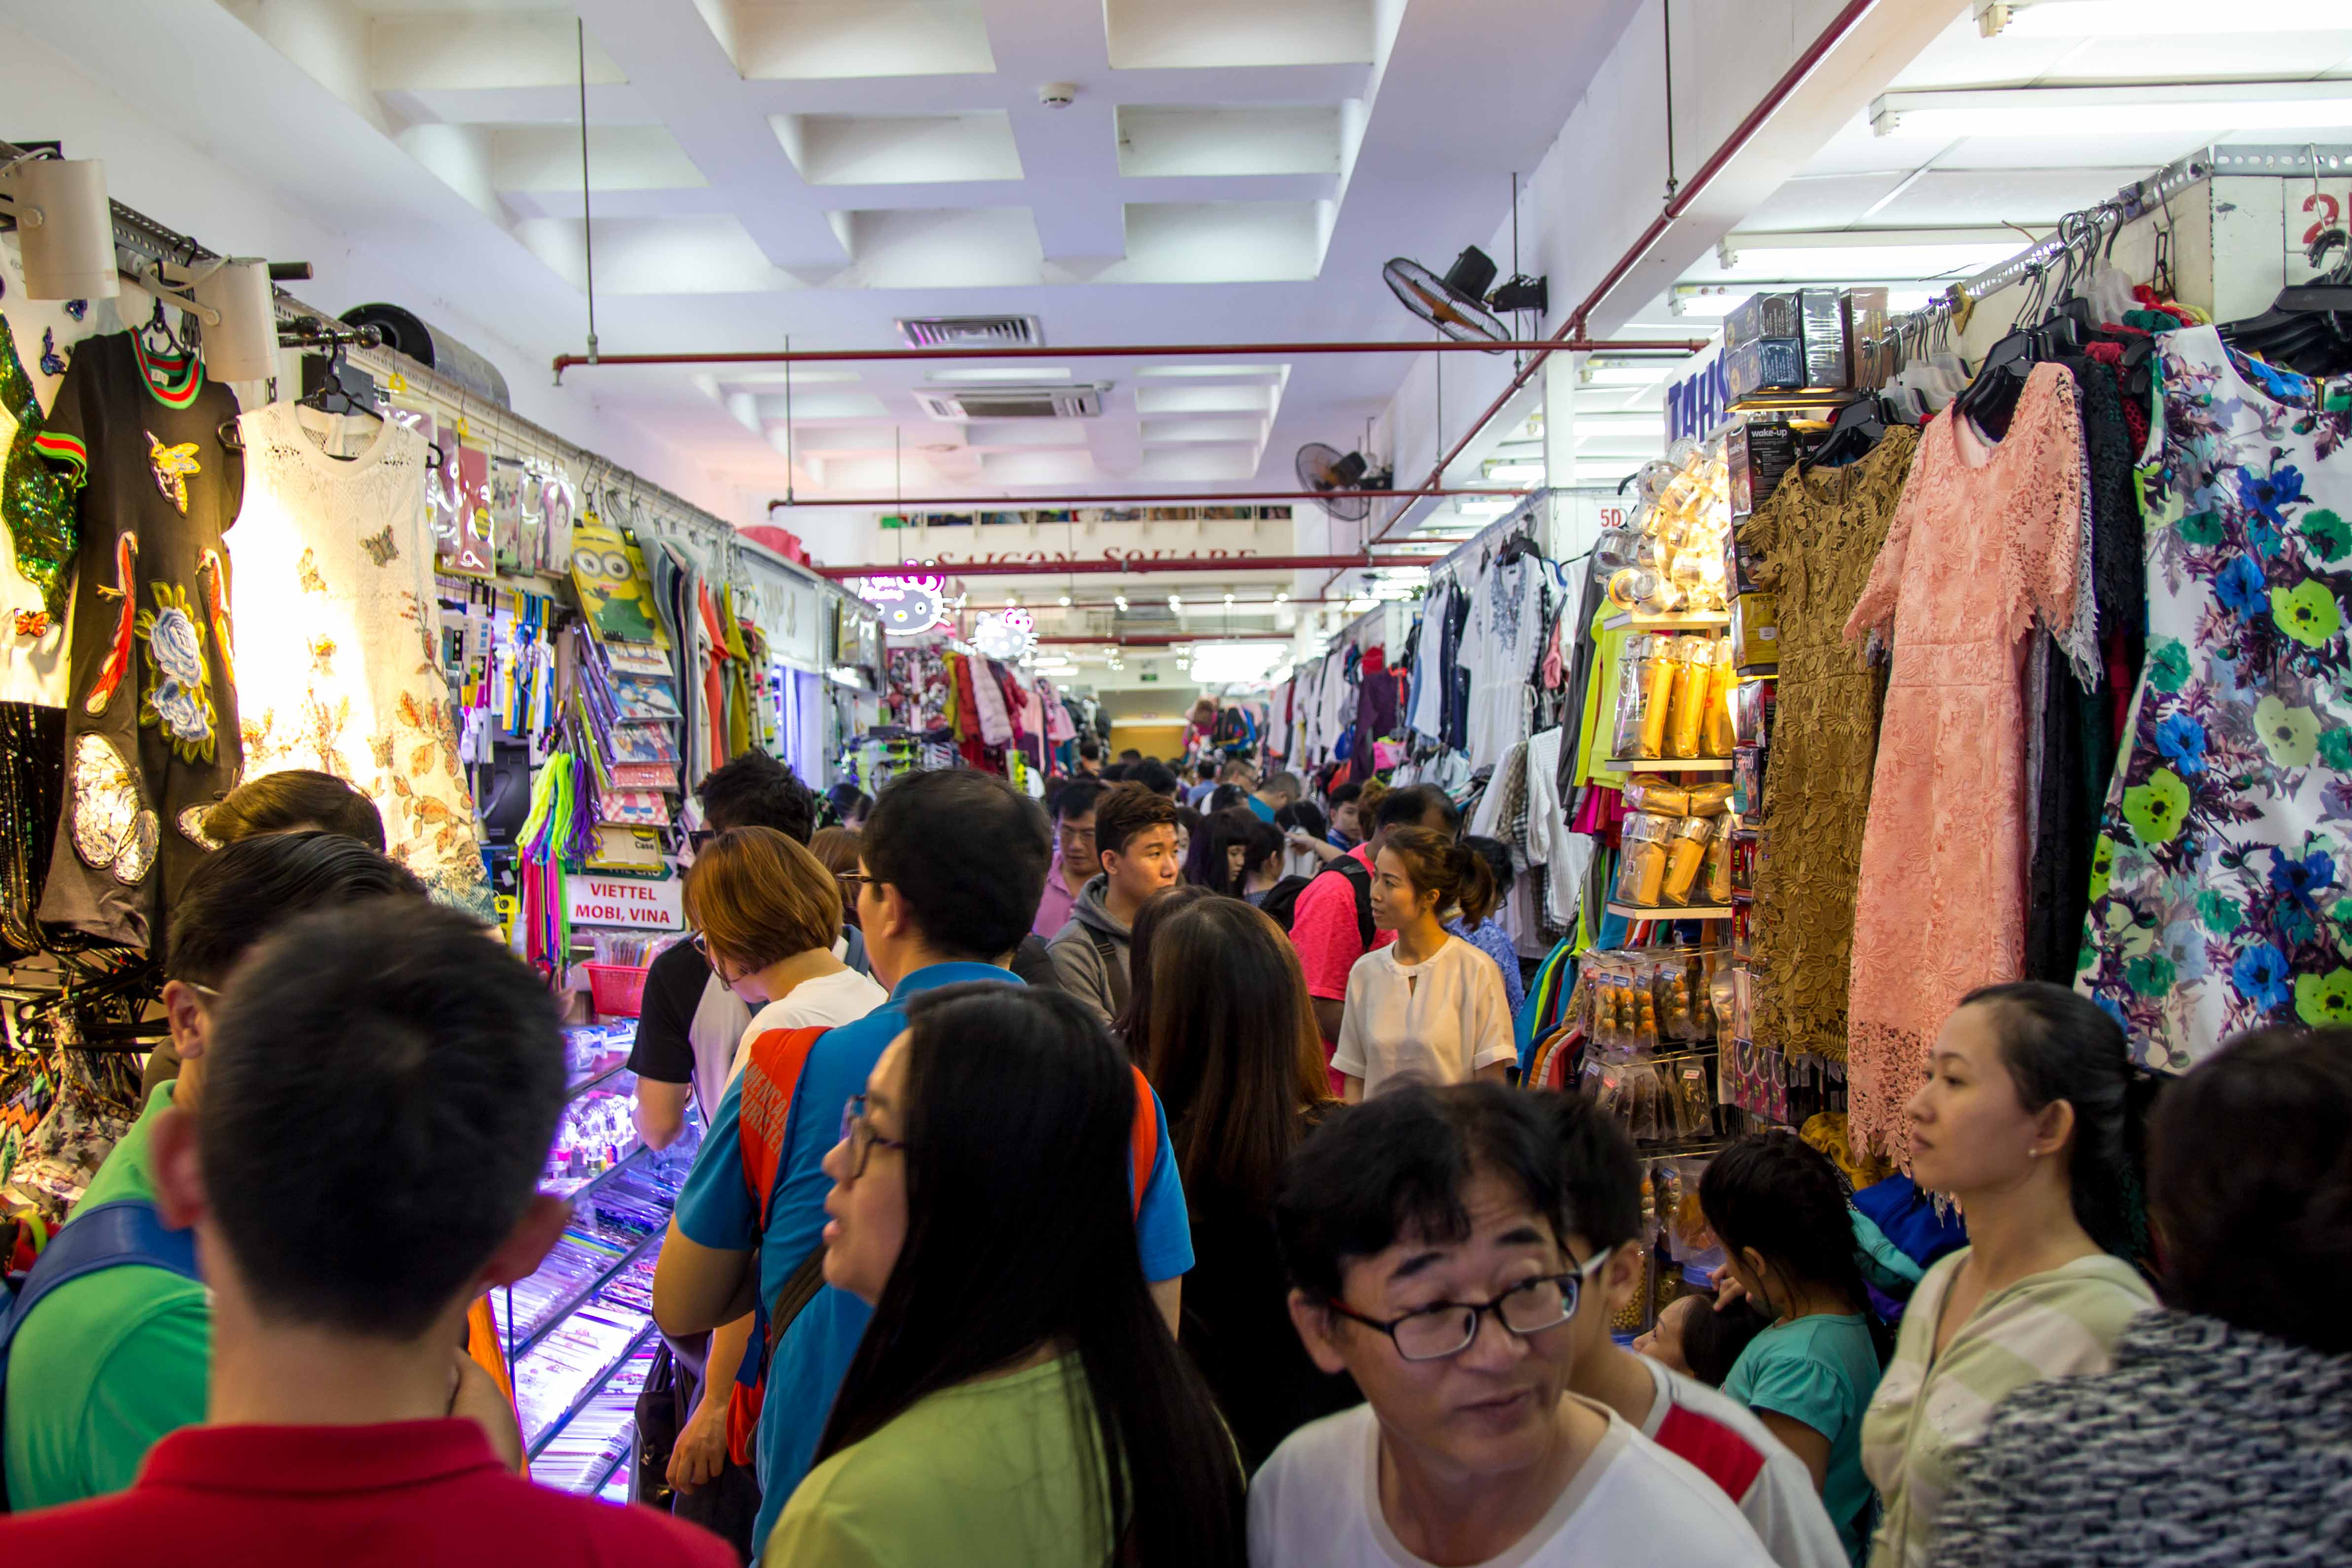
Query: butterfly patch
x,y
77,309
172,466
52,362
32,623
380,547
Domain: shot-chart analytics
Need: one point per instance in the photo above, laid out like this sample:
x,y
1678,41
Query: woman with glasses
x,y
1423,1232
1777,1205
1017,1399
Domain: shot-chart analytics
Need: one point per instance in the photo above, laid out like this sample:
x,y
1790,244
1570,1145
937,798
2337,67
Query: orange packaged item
x,y
1694,666
1647,794
1686,853
1721,680
1709,800
1658,669
1642,870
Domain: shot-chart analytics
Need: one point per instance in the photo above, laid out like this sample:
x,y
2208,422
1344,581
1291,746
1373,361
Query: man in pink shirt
x,y
1331,925
1075,862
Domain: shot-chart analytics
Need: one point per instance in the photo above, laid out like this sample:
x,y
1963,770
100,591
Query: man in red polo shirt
x,y
382,1085
1326,925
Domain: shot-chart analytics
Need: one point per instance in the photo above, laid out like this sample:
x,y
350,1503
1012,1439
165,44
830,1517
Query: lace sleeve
x,y
2047,569
1870,629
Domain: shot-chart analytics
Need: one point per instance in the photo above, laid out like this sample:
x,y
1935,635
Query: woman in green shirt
x,y
1777,1208
2028,1117
1017,1399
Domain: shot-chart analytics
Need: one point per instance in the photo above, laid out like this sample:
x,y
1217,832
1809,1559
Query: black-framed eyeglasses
x,y
1447,1328
857,1132
852,880
697,837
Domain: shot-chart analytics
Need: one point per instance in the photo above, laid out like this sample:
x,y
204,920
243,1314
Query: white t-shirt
x,y
1725,1441
1443,1018
829,1000
1316,1503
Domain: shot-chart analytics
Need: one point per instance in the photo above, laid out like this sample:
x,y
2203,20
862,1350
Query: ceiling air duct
x,y
434,348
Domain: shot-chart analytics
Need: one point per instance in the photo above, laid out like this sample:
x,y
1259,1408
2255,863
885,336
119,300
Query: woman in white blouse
x,y
1428,1004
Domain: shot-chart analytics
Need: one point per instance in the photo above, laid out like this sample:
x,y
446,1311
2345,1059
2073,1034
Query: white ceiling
x,y
1227,170
1957,205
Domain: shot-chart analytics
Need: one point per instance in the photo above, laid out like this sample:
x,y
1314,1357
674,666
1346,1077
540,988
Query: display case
x,y
579,1333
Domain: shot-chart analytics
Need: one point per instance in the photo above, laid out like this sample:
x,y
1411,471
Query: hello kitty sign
x,y
910,606
1004,637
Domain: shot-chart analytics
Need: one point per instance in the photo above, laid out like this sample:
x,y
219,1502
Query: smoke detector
x,y
1057,94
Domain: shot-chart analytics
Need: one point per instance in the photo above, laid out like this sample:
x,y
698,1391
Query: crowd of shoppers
x,y
1107,1267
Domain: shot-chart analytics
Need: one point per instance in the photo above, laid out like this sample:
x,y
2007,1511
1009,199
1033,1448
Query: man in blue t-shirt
x,y
950,867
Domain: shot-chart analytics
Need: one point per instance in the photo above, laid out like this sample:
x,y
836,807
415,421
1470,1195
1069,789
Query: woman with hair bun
x,y
1429,1004
2028,1117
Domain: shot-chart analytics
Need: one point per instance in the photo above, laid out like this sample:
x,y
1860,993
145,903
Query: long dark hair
x,y
1231,1046
2059,1045
1021,1235
1142,937
1205,861
1777,1194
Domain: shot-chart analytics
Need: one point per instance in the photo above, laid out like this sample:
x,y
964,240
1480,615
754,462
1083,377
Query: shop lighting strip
x,y
586,1189
628,1448
577,1090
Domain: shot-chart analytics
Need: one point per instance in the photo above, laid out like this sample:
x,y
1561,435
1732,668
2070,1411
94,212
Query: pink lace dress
x,y
1987,535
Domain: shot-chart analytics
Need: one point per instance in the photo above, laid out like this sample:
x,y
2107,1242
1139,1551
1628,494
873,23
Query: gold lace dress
x,y
1819,532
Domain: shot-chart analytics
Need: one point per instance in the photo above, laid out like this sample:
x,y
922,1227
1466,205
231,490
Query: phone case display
x,y
597,1132
616,596
151,735
590,1455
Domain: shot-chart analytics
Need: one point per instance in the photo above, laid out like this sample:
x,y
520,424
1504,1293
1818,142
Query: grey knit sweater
x,y
2204,1445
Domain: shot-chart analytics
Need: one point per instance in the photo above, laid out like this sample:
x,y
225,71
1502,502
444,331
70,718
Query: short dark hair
x,y
848,804
383,1084
968,853
297,798
1091,751
1600,1174
1396,1165
1126,810
1304,816
2250,1176
755,791
1340,794
1114,773
244,891
1078,797
1130,755
1154,776
1405,808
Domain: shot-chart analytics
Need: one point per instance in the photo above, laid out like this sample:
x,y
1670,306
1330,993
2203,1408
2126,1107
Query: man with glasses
x,y
1431,1250
1074,864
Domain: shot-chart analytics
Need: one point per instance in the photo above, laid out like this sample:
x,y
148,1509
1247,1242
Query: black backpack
x,y
1282,899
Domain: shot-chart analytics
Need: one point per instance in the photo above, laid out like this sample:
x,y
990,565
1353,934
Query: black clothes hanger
x,y
2309,327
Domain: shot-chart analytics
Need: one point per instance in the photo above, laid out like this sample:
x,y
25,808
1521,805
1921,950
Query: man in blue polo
x,y
951,866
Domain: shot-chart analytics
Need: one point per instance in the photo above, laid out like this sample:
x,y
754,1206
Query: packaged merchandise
x,y
1869,343
1755,633
1718,867
1625,733
1757,454
1686,856
1692,1101
1751,703
1649,793
1708,800
1693,673
1659,667
1748,780
1765,365
1829,360
1723,680
1763,315
1642,868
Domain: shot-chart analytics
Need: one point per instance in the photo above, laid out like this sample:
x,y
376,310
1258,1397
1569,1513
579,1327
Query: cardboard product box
x,y
1828,361
1763,315
1867,339
1756,634
1767,364
1757,453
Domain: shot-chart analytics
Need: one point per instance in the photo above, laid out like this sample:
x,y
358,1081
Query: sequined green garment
x,y
36,505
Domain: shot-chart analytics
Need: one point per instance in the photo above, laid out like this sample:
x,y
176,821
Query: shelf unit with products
x,y
579,1333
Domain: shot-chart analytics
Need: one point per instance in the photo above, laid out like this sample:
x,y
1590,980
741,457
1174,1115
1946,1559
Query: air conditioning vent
x,y
1081,401
971,332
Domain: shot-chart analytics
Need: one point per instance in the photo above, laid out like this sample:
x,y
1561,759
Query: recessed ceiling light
x,y
1120,602
2141,18
1282,598
2187,108
1174,602
1066,601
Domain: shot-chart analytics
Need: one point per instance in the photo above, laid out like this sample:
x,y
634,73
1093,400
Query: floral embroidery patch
x,y
179,696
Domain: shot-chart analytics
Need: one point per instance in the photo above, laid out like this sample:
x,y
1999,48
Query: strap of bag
x,y
771,1076
1114,971
126,1231
1361,880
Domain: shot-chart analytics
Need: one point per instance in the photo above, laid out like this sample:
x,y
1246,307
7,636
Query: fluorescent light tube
x,y
2188,108
2141,18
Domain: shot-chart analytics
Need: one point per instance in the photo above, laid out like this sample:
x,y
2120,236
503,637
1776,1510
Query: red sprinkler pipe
x,y
1571,331
1223,563
1108,351
1170,498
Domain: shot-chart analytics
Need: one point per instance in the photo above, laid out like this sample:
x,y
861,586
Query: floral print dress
x,y
2217,888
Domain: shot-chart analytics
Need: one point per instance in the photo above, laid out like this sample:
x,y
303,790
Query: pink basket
x,y
617,991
